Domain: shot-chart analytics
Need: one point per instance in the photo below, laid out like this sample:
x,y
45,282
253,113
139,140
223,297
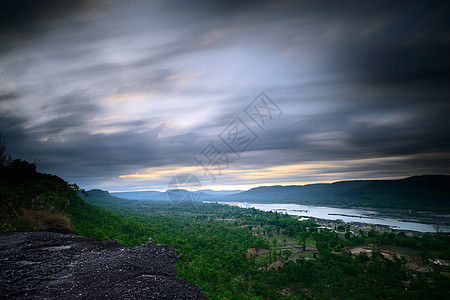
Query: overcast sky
x,y
123,95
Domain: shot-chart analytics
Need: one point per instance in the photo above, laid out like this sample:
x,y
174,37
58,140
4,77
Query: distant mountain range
x,y
428,192
155,195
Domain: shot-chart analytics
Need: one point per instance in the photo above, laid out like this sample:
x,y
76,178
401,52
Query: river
x,y
397,220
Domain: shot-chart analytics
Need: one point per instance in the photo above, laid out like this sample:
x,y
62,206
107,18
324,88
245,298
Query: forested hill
x,y
106,200
57,263
428,192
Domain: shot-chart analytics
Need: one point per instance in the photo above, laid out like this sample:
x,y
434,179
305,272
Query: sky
x,y
125,95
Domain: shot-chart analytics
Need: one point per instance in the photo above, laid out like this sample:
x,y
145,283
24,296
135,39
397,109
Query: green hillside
x,y
215,239
431,193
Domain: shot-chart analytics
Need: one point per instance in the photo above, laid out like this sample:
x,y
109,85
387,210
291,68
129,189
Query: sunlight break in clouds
x,y
246,177
98,90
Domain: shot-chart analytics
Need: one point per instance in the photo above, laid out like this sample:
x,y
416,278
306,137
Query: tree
x,y
21,186
286,254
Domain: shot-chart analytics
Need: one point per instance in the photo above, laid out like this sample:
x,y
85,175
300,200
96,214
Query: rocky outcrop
x,y
47,265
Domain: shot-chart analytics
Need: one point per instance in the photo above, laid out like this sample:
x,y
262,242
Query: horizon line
x,y
222,188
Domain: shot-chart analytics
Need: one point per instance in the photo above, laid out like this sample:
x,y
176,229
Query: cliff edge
x,y
47,265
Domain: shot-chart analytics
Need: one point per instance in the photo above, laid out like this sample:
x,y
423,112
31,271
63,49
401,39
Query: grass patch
x,y
31,220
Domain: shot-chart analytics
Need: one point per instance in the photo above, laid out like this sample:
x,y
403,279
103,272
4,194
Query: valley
x,y
237,253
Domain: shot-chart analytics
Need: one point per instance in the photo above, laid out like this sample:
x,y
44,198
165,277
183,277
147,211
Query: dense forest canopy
x,y
238,253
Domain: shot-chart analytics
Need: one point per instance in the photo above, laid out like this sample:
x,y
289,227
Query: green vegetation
x,y
30,200
235,253
429,193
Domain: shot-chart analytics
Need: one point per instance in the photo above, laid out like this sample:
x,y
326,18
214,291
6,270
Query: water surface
x,y
403,221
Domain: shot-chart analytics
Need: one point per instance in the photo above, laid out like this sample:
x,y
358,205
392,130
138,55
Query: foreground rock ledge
x,y
46,265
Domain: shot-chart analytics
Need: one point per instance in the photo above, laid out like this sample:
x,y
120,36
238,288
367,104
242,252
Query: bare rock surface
x,y
47,265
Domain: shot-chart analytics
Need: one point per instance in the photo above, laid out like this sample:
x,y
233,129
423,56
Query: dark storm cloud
x,y
96,90
70,111
11,128
417,56
27,17
364,136
75,102
400,64
8,95
114,154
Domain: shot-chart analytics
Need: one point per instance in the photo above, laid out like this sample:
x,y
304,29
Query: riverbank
x,y
387,218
